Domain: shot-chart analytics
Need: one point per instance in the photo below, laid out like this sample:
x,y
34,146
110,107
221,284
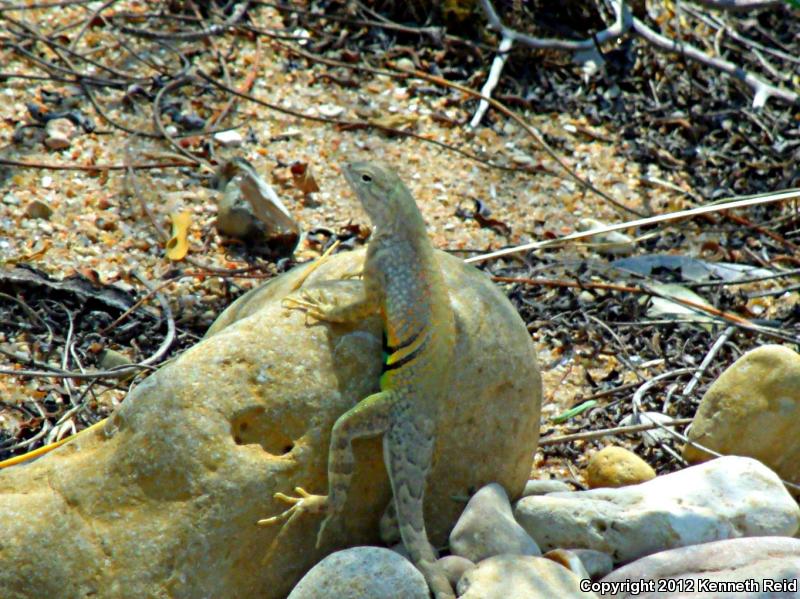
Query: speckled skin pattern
x,y
403,283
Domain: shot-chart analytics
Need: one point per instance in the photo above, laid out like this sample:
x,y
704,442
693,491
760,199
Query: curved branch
x,y
763,89
494,77
622,23
625,22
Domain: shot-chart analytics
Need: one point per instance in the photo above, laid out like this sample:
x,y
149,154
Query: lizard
x,y
404,284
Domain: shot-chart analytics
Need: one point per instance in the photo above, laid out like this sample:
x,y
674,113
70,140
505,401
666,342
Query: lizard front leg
x,y
321,303
368,418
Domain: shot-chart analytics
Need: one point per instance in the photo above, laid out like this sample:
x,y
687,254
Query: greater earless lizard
x,y
404,284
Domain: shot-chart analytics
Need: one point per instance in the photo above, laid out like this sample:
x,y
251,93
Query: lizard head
x,y
379,190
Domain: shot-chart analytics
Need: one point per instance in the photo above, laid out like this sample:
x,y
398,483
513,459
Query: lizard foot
x,y
352,275
317,305
304,503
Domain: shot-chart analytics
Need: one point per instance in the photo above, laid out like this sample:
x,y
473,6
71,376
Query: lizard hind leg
x,y
368,418
407,451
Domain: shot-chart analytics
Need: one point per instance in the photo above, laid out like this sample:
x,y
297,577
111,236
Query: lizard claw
x,y
315,305
352,275
322,528
304,502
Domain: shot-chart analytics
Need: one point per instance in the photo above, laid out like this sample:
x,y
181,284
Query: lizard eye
x,y
366,178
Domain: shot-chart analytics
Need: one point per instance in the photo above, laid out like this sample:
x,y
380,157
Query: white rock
x,y
519,577
330,110
542,487
487,528
725,498
690,569
229,138
362,573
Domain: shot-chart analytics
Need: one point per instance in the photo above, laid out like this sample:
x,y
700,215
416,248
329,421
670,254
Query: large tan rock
x,y
163,501
753,409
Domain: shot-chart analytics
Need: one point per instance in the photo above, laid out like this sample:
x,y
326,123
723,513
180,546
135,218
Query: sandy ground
x,y
97,227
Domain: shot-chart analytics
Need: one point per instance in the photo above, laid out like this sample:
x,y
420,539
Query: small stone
x,y
38,209
569,560
330,110
59,134
106,223
522,159
586,297
518,576
405,63
596,563
617,467
231,138
249,208
454,567
487,528
110,359
753,409
362,573
543,487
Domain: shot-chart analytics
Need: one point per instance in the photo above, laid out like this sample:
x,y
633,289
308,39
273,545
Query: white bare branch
x,y
763,89
622,22
494,76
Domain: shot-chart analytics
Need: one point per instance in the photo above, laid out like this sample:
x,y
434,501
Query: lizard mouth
x,y
348,172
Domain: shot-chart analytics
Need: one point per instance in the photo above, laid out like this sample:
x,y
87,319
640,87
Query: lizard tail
x,y
424,556
436,579
405,450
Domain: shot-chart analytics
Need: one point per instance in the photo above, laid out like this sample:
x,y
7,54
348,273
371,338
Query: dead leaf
x,y
681,307
250,209
303,179
35,254
399,120
481,214
178,245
